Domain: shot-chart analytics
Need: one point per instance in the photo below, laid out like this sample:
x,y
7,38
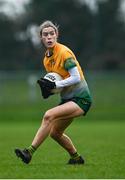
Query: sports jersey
x,y
55,62
60,59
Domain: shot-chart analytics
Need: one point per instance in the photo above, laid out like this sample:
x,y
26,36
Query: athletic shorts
x,y
81,102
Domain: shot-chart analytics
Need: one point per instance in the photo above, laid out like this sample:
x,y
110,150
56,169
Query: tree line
x,y
97,38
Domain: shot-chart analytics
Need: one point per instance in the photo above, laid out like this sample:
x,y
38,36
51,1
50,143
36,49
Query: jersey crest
x,y
52,62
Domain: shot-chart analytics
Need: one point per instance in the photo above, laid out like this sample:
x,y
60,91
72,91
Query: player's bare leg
x,y
57,133
67,111
58,125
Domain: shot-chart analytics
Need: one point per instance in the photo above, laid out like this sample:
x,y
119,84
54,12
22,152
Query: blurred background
x,y
93,29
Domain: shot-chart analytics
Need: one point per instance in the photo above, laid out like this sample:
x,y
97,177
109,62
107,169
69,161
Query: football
x,y
52,76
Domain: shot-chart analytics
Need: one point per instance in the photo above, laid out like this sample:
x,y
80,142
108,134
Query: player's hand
x,y
45,93
49,85
45,87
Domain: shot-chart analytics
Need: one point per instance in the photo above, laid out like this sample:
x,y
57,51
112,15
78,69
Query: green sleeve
x,y
69,63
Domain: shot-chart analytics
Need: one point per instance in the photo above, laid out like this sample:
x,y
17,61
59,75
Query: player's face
x,y
49,37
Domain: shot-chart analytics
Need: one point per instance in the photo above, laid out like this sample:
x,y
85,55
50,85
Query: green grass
x,y
101,143
99,137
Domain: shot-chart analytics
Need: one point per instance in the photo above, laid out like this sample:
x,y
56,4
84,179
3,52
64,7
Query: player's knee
x,y
55,134
48,117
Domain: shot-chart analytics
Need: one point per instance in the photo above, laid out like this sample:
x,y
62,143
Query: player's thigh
x,y
65,111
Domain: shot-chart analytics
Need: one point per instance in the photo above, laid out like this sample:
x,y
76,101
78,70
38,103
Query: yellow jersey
x,y
55,59
60,59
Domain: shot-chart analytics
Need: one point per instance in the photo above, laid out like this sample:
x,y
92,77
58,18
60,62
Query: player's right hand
x,y
44,90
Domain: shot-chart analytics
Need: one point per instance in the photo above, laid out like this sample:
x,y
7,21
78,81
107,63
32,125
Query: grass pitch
x,y
101,143
99,137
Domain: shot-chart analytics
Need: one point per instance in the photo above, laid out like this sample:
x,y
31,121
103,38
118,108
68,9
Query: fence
x,y
20,88
107,88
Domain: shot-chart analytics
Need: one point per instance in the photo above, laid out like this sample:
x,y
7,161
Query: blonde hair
x,y
47,24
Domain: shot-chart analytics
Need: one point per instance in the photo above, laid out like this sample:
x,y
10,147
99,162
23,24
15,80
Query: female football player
x,y
75,96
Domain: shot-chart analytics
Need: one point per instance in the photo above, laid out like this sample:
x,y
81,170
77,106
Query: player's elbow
x,y
77,79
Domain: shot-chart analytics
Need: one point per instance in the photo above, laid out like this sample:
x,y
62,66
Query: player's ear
x,y
57,34
40,35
